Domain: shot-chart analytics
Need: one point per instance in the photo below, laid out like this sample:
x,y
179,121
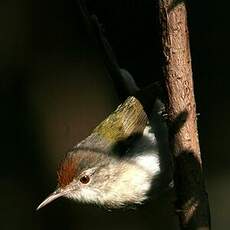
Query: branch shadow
x,y
176,124
190,189
189,182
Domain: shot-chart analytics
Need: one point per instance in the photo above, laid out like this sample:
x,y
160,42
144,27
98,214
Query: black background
x,y
55,89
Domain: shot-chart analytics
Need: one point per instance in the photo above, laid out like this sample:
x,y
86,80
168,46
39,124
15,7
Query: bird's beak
x,y
53,196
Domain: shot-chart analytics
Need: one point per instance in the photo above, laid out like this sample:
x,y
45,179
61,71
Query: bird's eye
x,y
85,179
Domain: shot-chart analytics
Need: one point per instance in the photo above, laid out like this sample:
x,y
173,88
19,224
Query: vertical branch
x,y
192,201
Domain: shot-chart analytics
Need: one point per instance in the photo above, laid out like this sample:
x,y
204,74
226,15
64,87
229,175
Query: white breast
x,y
145,152
149,162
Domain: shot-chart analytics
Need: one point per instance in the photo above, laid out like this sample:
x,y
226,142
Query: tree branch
x,y
192,201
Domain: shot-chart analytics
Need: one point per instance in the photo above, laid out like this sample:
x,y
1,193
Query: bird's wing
x,y
127,120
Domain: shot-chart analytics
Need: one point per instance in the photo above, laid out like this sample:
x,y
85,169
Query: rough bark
x,y
192,201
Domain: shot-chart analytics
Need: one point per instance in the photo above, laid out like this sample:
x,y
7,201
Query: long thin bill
x,y
51,198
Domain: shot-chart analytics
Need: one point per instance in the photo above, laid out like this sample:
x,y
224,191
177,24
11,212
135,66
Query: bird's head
x,y
82,176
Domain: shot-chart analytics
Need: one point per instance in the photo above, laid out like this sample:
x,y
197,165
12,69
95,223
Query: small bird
x,y
116,165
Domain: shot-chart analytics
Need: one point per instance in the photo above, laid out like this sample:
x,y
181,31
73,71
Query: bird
x,y
127,154
117,165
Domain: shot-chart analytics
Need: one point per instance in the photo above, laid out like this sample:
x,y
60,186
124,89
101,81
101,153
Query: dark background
x,y
55,89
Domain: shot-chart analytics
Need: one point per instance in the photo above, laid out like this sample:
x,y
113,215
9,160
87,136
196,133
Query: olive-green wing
x,y
128,119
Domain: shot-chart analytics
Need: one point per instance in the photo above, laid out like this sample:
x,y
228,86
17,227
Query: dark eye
x,y
85,179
